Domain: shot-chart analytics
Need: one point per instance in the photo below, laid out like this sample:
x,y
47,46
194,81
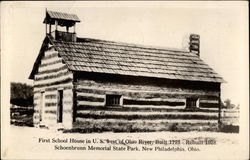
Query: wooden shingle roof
x,y
63,16
92,55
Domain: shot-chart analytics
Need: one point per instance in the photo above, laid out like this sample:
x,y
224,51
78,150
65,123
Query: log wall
x,y
143,104
147,104
53,75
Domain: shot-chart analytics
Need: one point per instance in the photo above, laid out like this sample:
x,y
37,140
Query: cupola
x,y
59,19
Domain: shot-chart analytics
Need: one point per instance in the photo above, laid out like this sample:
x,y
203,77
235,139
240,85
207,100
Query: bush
x,y
21,116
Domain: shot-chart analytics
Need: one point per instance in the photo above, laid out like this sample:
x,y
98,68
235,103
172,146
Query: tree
x,y
21,94
228,104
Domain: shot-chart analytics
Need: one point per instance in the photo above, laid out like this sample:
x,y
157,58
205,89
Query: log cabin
x,y
85,83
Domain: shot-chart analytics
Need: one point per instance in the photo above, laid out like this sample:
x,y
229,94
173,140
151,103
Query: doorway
x,y
42,107
60,107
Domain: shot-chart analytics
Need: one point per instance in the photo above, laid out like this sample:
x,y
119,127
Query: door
x,y
60,107
42,107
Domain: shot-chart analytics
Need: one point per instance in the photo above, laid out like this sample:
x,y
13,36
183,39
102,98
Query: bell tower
x,y
59,20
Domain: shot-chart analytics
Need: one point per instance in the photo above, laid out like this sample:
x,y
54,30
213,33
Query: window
x,y
192,103
60,106
113,100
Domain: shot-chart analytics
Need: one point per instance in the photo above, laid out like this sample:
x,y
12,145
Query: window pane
x,y
191,102
113,100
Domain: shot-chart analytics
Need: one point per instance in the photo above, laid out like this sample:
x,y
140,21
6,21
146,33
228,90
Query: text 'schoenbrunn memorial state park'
x,y
81,83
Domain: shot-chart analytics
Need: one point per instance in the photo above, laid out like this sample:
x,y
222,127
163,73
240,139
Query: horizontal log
x,y
54,83
50,104
51,111
135,113
210,98
115,86
65,100
56,79
100,98
209,105
55,100
212,109
89,98
64,86
54,97
54,61
146,98
53,76
55,111
185,121
90,84
141,102
142,109
140,94
93,91
143,126
47,58
51,72
54,88
51,96
134,106
90,103
50,50
209,101
156,99
50,67
157,116
90,94
55,70
55,54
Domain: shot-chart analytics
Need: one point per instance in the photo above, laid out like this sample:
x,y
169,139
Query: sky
x,y
222,26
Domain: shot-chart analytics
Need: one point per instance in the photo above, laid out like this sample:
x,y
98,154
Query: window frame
x,y
114,96
192,103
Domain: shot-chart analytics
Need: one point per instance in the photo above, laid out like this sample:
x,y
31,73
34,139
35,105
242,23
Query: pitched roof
x,y
62,16
92,55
